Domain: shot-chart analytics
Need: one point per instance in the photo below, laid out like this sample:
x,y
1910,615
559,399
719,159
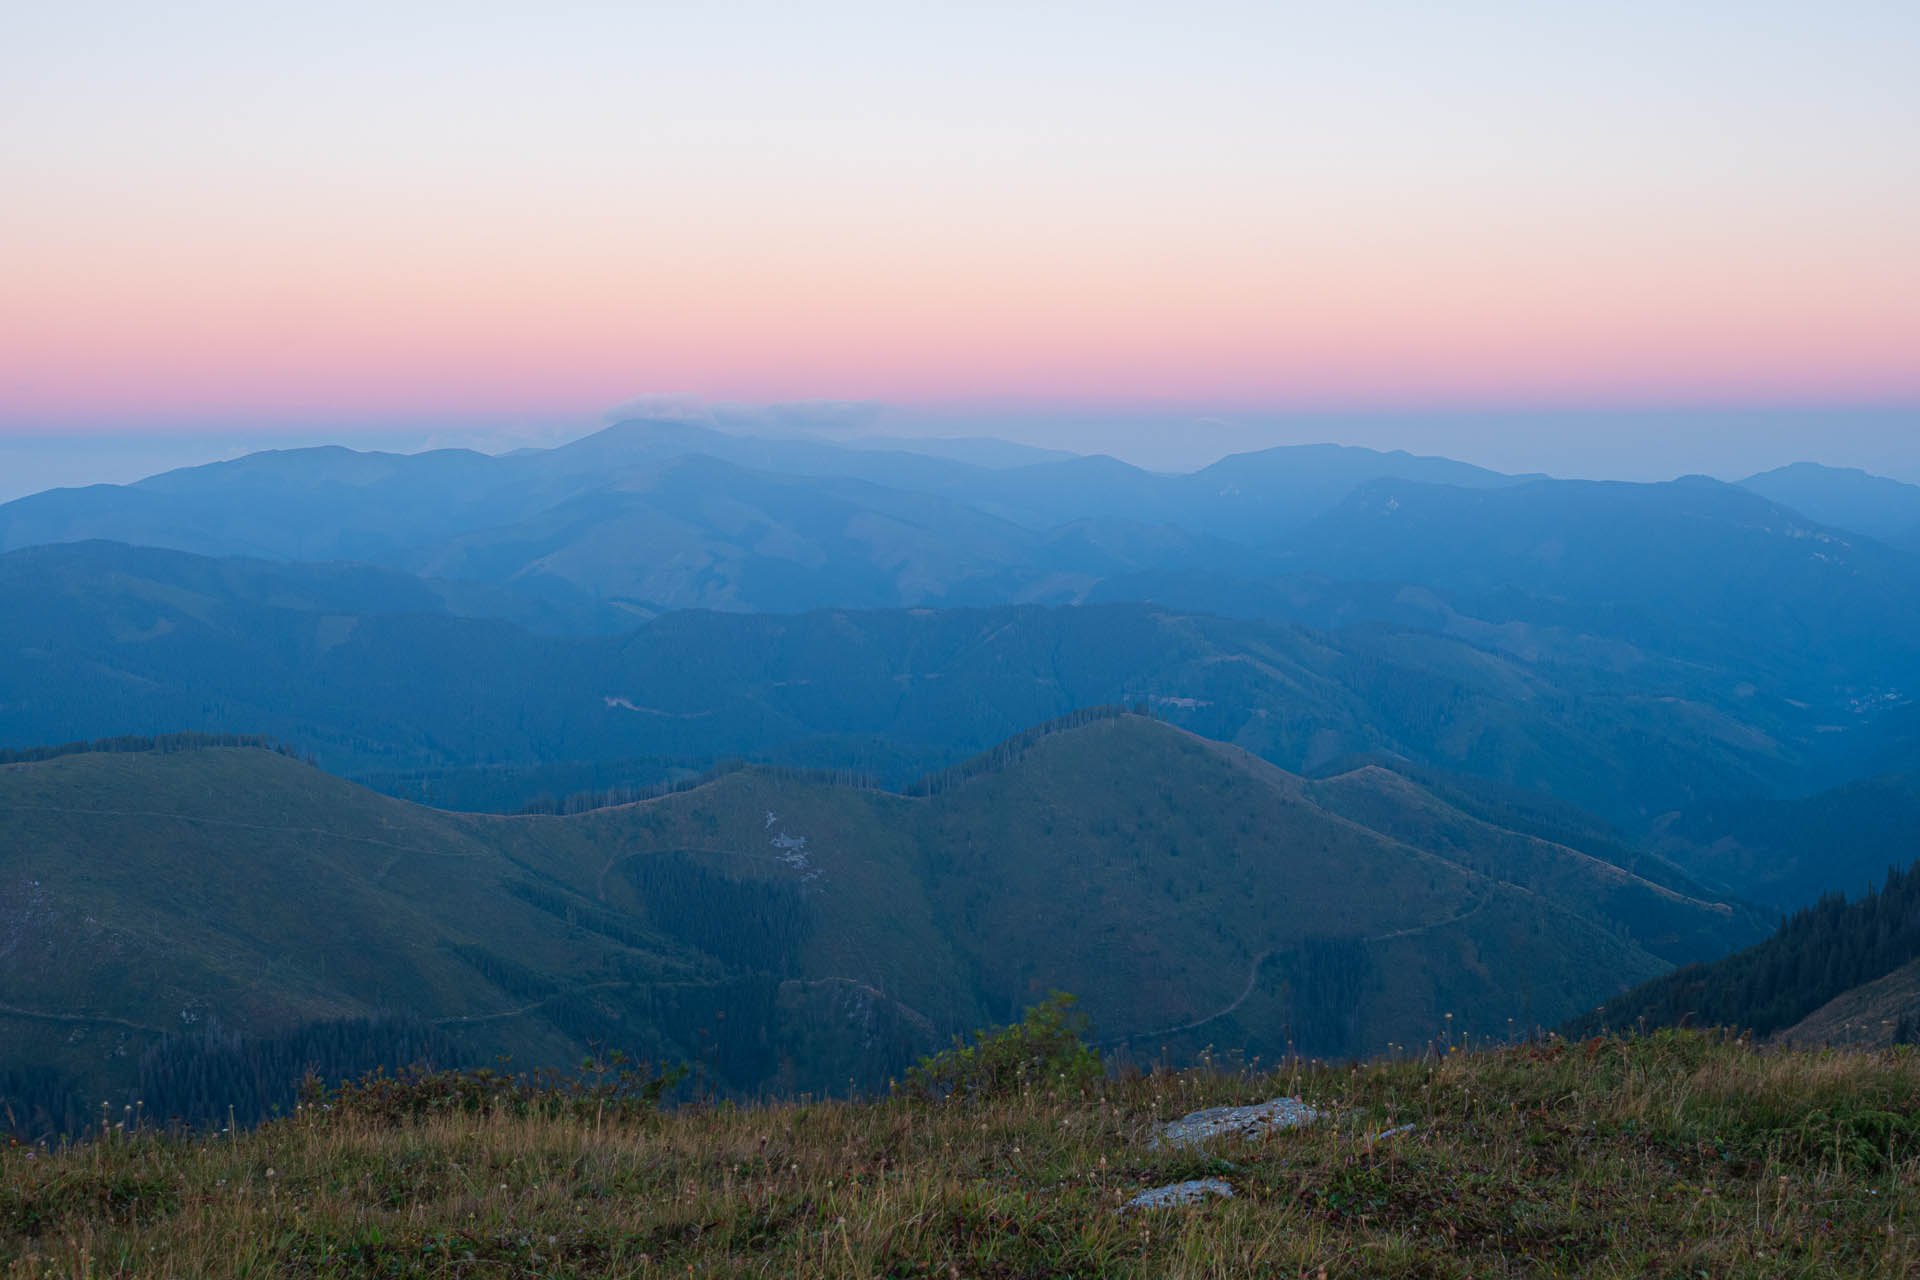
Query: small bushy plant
x,y
1043,1052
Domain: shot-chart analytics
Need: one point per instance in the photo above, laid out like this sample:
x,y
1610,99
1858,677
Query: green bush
x,y
1042,1052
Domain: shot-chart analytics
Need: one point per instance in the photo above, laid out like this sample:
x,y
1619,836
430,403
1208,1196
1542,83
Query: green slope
x,y
230,890
1879,1013
1674,923
784,932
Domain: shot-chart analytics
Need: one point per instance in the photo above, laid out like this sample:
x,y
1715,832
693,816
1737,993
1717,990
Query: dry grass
x,y
1676,1155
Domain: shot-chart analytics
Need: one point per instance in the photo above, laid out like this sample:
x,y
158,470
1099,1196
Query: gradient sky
x,y
250,216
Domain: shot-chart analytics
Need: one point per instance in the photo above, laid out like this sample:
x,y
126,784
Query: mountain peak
x,y
1845,498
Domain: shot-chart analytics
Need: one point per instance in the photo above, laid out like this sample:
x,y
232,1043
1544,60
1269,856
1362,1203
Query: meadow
x,y
1675,1154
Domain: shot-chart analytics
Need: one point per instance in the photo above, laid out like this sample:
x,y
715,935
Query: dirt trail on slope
x,y
1253,978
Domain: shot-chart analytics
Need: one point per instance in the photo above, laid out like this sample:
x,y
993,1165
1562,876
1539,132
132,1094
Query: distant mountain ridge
x,y
1789,851
655,515
1671,657
1693,567
1846,498
651,516
378,672
333,503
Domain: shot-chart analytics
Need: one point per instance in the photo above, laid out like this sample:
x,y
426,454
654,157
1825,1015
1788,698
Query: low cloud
x,y
832,418
661,407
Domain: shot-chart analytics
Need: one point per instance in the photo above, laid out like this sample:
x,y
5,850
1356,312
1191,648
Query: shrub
x,y
1043,1051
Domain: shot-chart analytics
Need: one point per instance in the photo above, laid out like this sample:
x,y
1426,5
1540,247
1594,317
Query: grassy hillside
x,y
780,931
180,898
1883,1012
1672,1156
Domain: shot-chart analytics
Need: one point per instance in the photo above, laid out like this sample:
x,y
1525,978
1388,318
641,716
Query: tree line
x,y
208,1079
160,743
1818,953
607,797
1008,752
757,925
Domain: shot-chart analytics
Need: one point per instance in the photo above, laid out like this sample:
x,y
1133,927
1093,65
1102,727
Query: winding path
x,y
470,1018
34,1015
1429,928
1253,978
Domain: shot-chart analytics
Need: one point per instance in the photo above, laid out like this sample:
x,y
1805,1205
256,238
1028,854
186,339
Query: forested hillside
x,y
200,915
1819,954
1693,569
1687,662
118,640
1790,851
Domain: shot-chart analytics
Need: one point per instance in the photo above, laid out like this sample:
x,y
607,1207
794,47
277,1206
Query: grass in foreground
x,y
1675,1155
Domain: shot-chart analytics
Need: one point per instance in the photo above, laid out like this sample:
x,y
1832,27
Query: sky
x,y
1600,235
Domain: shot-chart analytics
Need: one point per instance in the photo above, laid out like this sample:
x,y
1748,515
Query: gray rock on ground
x,y
1176,1194
1243,1122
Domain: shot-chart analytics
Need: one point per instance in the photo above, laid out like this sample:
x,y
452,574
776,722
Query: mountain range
x,y
374,671
1666,656
649,517
1846,498
669,724
787,931
334,503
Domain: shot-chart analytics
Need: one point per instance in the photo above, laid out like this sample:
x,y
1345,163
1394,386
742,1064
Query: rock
x,y
1175,1194
1243,1122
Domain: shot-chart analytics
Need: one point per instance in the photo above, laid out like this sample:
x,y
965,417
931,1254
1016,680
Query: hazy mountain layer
x,y
1693,569
333,503
650,517
653,516
112,640
1787,852
1846,498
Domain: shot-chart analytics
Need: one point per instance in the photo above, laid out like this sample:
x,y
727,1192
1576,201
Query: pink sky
x,y
258,219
